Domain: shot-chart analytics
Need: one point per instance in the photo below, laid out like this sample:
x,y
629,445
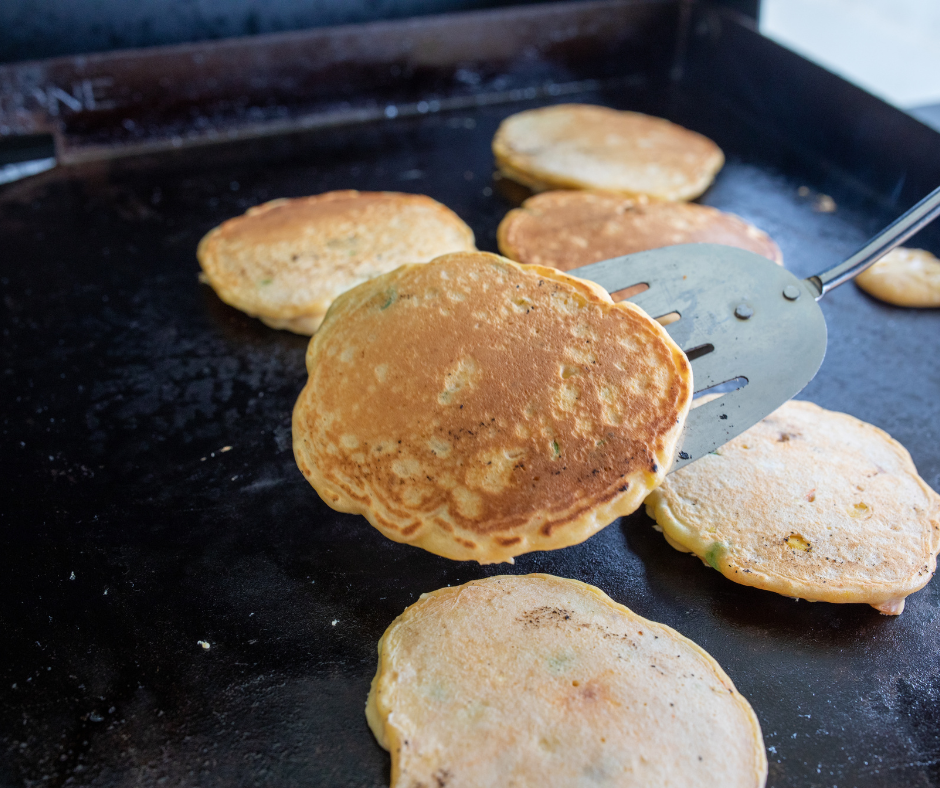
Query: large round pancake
x,y
808,503
286,260
582,146
904,277
541,681
481,409
568,229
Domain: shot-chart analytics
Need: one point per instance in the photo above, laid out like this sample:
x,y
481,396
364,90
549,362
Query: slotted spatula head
x,y
741,317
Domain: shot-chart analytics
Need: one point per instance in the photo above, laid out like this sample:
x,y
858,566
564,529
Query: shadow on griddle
x,y
510,190
760,614
237,327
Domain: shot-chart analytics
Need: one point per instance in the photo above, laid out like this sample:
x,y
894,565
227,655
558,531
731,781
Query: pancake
x,y
541,681
808,503
581,146
568,229
904,277
480,409
286,260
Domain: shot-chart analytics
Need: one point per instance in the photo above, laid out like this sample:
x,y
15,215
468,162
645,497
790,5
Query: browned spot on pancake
x,y
545,615
591,693
506,542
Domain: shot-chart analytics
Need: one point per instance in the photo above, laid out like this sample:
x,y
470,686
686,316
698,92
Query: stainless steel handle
x,y
894,234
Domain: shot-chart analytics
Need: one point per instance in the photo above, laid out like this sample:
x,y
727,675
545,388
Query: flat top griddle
x,y
150,499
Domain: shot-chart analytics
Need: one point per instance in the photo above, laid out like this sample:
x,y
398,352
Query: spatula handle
x,y
894,234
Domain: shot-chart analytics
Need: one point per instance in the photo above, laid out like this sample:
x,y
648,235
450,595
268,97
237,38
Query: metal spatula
x,y
742,318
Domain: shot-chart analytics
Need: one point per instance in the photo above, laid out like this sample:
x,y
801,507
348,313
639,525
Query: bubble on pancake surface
x,y
462,376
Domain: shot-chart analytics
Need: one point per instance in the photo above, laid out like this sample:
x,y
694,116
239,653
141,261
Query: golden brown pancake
x,y
568,229
582,146
541,681
808,503
481,409
286,260
904,277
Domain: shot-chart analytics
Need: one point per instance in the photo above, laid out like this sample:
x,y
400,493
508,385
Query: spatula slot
x,y
749,363
723,388
698,352
628,292
668,319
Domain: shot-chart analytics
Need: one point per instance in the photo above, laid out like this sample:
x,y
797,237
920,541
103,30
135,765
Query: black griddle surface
x,y
151,500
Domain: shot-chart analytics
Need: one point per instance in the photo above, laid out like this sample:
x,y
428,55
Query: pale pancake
x,y
286,260
481,409
582,146
541,681
904,277
808,503
568,229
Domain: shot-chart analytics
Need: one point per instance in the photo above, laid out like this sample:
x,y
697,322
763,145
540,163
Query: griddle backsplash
x,y
151,500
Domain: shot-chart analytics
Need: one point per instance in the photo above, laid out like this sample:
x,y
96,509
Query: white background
x,y
889,47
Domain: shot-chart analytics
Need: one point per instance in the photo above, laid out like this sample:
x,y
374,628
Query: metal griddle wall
x,y
130,530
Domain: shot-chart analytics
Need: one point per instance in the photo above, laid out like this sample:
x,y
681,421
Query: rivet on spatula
x,y
791,292
743,312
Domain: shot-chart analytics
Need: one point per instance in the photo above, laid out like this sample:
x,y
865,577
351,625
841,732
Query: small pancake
x,y
581,146
568,229
808,503
481,409
904,277
286,260
541,681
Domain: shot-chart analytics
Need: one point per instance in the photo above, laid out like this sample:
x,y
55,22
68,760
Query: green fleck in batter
x,y
438,692
714,554
391,296
559,663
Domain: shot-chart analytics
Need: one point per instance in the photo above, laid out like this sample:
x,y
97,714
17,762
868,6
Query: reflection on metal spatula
x,y
742,318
